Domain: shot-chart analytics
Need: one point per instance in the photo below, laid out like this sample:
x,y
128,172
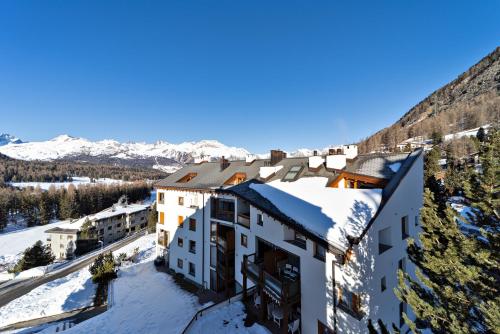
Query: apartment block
x,y
312,242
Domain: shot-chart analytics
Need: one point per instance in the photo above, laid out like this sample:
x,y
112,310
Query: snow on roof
x,y
107,213
331,213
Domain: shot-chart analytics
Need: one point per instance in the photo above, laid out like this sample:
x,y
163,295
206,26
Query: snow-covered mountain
x,y
160,155
5,139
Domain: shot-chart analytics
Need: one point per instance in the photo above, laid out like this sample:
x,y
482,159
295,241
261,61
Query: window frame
x,y
318,255
192,246
260,219
180,264
244,240
192,224
180,242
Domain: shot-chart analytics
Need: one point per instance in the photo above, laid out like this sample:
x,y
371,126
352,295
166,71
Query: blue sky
x,y
256,74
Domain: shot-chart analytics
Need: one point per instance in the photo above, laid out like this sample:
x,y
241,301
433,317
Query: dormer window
x,y
292,174
186,178
237,178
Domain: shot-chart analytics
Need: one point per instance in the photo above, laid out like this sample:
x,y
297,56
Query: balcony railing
x,y
281,288
244,219
223,215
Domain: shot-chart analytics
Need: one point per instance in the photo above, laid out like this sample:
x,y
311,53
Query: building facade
x,y
107,226
319,238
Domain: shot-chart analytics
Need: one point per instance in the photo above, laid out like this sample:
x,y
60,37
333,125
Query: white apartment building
x,y
109,226
319,239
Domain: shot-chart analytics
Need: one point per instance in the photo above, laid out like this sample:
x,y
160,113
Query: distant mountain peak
x,y
6,138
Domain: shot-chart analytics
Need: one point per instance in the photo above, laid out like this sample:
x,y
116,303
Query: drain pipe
x,y
334,286
203,242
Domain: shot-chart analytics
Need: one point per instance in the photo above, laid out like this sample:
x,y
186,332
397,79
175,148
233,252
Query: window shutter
x,y
355,302
162,217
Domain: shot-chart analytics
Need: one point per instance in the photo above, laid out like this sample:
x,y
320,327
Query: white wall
x,y
192,208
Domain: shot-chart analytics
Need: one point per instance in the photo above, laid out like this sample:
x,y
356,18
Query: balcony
x,y
244,219
285,286
222,210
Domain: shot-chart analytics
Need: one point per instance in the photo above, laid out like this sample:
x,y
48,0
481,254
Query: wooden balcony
x,y
284,287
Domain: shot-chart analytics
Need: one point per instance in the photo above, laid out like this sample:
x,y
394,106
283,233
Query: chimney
x,y
315,153
224,163
331,151
277,156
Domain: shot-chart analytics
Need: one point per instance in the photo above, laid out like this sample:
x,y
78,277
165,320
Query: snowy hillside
x,y
160,155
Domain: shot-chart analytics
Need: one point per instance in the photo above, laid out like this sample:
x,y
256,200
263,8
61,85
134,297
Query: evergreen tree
x,y
103,269
481,134
152,219
35,256
46,211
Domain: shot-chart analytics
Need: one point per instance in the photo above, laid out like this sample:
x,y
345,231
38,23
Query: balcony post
x,y
261,293
245,257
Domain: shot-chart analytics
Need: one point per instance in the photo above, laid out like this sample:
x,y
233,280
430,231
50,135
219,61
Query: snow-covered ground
x,y
61,295
68,293
75,181
145,300
13,244
226,320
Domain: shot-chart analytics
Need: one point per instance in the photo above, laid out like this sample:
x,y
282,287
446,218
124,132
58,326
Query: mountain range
x,y
160,155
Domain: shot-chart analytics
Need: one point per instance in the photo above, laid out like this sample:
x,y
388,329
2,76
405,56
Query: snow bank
x,y
61,295
228,319
145,301
331,213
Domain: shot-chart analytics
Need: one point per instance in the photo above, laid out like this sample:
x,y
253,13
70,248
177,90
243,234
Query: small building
x,y
106,227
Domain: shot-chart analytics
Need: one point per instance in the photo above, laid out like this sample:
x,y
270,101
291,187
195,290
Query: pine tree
x,y
481,134
444,297
35,256
46,211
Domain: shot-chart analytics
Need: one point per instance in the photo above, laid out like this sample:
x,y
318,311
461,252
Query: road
x,y
21,288
75,316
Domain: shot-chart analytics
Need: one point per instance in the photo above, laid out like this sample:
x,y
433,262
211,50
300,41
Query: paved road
x,y
17,290
75,316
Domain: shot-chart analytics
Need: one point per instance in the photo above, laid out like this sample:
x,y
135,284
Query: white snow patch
x,y
228,319
13,244
265,172
76,181
331,213
145,301
61,295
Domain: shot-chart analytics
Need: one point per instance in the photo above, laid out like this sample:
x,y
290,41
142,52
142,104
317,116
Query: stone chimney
x,y
277,156
224,163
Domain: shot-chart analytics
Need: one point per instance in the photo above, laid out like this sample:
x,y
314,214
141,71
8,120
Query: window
x,y
162,218
383,284
161,198
70,237
192,246
292,173
180,264
402,310
109,228
192,224
319,252
384,240
244,240
299,240
405,229
260,220
118,225
180,221
192,270
213,232
402,264
180,242
180,200
213,256
186,178
349,301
